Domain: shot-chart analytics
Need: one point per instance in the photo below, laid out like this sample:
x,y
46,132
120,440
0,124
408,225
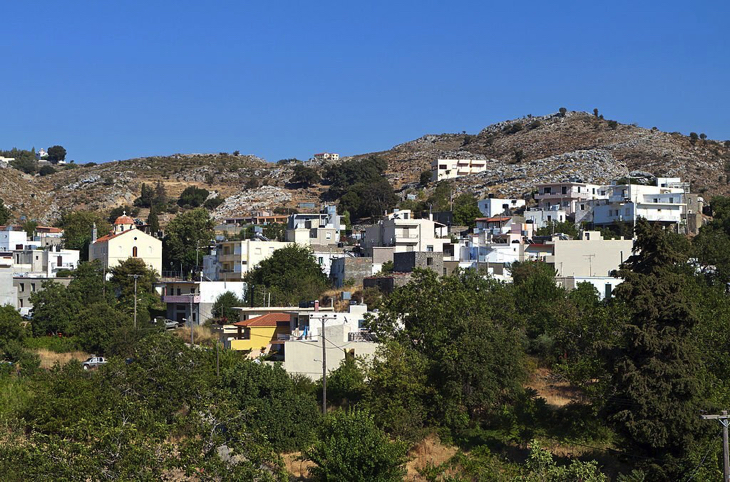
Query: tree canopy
x,y
188,231
291,274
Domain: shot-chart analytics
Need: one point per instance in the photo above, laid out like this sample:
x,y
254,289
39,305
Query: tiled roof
x,y
495,219
270,319
124,220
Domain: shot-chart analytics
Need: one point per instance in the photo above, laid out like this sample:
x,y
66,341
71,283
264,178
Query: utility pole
x,y
723,419
192,331
324,371
135,276
590,263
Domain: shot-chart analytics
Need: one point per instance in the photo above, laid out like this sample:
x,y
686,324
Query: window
x,y
192,290
32,287
321,260
21,302
429,249
564,190
134,252
179,292
328,235
594,191
429,261
546,190
22,287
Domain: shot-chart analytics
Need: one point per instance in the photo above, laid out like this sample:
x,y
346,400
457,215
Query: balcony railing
x,y
360,336
180,299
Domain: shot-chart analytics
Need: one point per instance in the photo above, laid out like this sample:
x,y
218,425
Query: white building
x,y
13,239
322,229
568,196
494,206
202,295
627,203
233,259
126,241
544,217
45,262
41,154
404,233
452,168
344,333
326,156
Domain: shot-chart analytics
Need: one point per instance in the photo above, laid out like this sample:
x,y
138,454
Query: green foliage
x,y
19,154
562,111
275,231
369,199
291,274
351,447
184,233
58,344
153,221
28,166
612,124
56,153
555,227
542,468
305,176
46,170
12,330
440,199
466,210
30,227
4,213
54,309
346,384
398,394
213,203
656,392
223,307
123,282
277,408
77,226
473,348
97,327
192,197
425,178
387,267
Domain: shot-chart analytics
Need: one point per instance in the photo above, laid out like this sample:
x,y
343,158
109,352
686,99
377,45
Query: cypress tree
x,y
657,370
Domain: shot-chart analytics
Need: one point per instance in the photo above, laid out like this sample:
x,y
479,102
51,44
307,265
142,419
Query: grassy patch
x,y
52,343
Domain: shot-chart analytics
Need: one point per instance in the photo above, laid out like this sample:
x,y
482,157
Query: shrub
x,y
193,196
46,170
612,124
213,203
351,447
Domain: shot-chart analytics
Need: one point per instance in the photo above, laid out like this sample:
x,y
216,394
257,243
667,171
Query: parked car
x,y
170,324
93,362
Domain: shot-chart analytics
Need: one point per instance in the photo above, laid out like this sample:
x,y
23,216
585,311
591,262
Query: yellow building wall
x,y
260,337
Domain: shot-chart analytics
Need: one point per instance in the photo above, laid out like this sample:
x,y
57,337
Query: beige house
x,y
124,242
404,233
236,258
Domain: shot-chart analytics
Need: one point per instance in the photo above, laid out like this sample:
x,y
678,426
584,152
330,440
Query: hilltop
x,y
520,153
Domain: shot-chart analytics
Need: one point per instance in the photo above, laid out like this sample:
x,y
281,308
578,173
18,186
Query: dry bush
x,y
203,335
50,358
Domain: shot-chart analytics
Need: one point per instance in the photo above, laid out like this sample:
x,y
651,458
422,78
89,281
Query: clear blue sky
x,y
119,79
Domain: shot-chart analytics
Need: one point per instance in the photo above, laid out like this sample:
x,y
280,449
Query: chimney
x,y
93,233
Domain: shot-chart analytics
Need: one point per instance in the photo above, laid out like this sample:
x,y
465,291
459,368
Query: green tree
x,y
542,468
56,154
656,392
305,176
28,166
11,326
288,417
555,227
213,203
97,326
425,178
351,447
46,170
275,231
54,309
223,308
185,233
153,221
146,197
440,199
193,197
123,282
4,213
346,384
472,342
562,111
291,274
77,227
466,210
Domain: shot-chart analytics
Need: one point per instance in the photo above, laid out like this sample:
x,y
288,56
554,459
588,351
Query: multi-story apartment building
x,y
629,202
326,156
45,262
404,233
233,259
320,229
451,168
496,207
194,300
572,197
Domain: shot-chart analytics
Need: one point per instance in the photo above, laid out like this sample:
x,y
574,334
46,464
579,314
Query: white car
x,y
93,362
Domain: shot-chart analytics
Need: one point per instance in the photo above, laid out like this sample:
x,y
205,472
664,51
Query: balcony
x,y
180,298
360,336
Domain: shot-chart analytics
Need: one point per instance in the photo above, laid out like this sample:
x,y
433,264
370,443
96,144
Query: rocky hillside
x,y
520,154
529,150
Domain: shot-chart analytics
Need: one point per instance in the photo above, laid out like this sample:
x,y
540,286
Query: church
x,y
126,241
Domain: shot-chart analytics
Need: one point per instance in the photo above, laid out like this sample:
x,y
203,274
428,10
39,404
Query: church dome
x,y
123,220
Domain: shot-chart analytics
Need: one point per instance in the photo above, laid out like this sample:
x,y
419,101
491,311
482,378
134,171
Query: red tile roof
x,y
270,319
124,220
